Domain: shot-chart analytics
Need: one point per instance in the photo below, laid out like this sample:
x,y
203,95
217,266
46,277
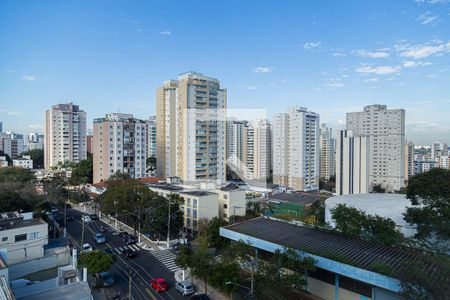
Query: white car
x,y
86,218
86,248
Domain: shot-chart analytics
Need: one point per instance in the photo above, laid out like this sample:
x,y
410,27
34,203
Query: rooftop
x,y
302,199
164,186
197,193
18,223
78,290
349,250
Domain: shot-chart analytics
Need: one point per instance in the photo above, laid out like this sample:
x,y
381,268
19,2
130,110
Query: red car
x,y
159,284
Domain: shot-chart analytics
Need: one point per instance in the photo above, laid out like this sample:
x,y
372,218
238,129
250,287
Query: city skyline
x,y
279,56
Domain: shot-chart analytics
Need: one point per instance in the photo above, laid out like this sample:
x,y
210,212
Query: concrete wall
x,y
321,289
44,263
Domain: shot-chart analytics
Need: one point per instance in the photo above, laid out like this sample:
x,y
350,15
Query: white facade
x,y
119,145
24,162
11,144
151,138
352,163
22,240
236,142
65,134
409,160
444,162
327,152
191,124
386,131
296,149
262,150
3,161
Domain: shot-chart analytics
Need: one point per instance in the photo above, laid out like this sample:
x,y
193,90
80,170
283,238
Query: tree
x,y
355,222
151,163
429,194
15,196
82,172
16,174
54,188
213,234
95,261
37,155
202,262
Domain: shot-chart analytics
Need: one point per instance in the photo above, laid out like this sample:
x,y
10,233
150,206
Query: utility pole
x,y
168,224
65,215
82,235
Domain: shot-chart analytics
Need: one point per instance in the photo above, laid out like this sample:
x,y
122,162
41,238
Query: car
x,y
100,238
185,288
159,285
128,253
102,229
86,247
106,279
86,218
199,297
69,218
94,216
108,251
130,240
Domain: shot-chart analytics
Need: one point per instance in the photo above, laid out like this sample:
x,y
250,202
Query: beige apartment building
x,y
191,131
327,152
385,129
65,134
119,145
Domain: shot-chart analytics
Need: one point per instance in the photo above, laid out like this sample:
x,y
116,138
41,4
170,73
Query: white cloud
x,y
427,18
262,70
375,54
36,126
412,64
312,45
14,113
334,85
339,54
373,79
7,71
253,87
139,29
165,32
383,70
432,1
424,50
28,77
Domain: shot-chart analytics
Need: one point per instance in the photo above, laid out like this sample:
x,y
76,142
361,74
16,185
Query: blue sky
x,y
330,56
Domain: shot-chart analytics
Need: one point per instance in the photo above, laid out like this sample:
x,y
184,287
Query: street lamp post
x,y
252,292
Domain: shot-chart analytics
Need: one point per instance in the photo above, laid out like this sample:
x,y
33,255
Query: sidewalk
x,y
213,293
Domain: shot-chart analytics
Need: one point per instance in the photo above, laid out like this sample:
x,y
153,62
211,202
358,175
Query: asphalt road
x,y
142,268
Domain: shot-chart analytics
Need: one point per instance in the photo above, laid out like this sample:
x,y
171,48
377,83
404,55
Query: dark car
x,y
200,297
123,234
69,218
128,253
94,216
108,250
130,240
106,279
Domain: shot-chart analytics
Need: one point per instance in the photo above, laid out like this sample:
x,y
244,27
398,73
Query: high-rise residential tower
x,y
259,150
119,145
386,131
296,149
327,152
151,137
65,134
236,141
409,160
352,163
190,119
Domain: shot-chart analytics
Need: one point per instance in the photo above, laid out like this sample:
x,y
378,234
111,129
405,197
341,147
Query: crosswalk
x,y
118,250
167,258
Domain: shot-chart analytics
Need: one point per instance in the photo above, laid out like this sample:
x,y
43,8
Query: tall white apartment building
x,y
296,149
259,150
327,152
34,141
191,130
352,163
119,145
409,160
236,142
11,144
386,131
65,134
444,162
151,137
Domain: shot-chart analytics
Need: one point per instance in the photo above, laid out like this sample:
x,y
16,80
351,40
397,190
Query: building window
x,y
21,237
4,239
225,206
225,196
34,235
194,203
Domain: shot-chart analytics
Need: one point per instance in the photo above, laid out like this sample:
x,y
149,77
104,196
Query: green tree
x,y
151,163
429,194
82,172
202,262
16,196
16,174
213,234
95,261
355,222
37,155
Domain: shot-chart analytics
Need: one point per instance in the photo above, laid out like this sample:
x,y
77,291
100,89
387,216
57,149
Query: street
x,y
142,268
